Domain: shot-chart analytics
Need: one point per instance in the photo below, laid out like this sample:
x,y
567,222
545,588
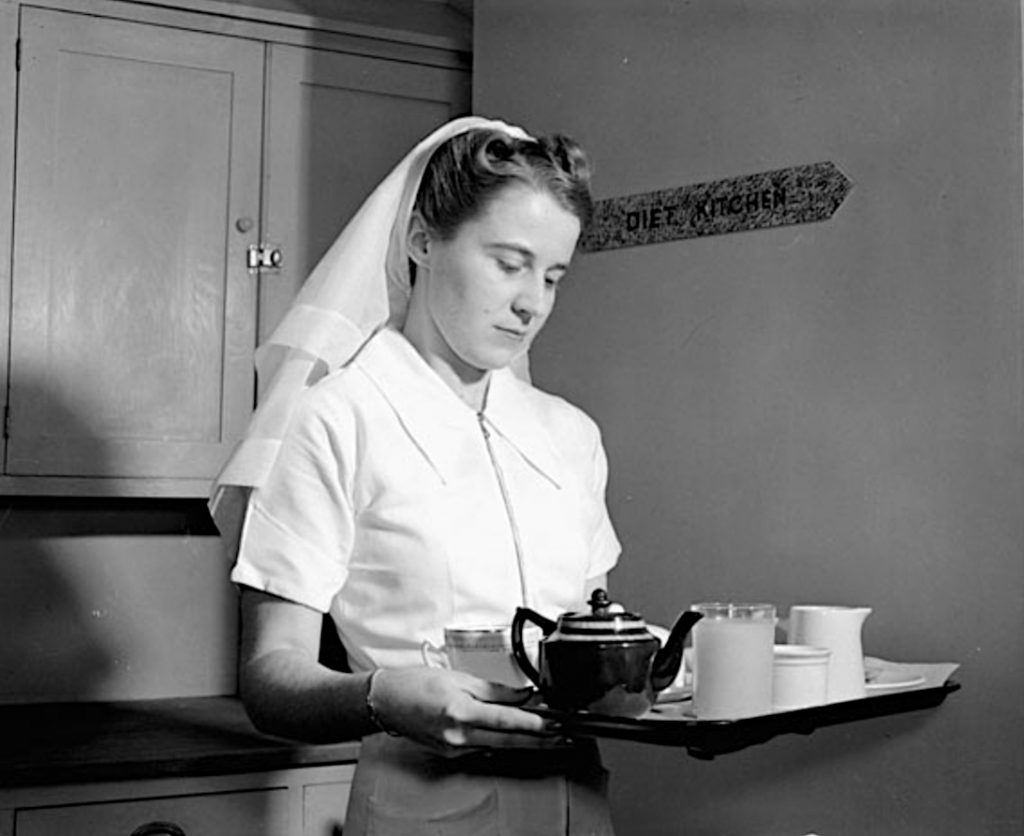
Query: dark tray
x,y
668,725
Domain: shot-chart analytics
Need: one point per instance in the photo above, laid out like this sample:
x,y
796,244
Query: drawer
x,y
255,813
323,808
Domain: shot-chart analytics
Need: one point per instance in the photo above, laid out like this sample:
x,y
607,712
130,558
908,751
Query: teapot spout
x,y
670,657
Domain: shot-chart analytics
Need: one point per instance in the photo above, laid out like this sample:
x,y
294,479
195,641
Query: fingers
x,y
498,717
449,709
469,709
477,719
463,736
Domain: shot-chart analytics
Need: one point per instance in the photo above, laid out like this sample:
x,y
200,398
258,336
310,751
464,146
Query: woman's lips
x,y
512,333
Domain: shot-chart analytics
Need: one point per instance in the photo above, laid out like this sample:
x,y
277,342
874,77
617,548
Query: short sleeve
x,y
298,531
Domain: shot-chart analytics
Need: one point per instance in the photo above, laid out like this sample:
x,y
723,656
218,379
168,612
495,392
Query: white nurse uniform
x,y
398,509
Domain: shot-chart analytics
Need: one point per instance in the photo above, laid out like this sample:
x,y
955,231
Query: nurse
x,y
421,481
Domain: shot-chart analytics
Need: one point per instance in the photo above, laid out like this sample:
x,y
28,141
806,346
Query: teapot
x,y
605,661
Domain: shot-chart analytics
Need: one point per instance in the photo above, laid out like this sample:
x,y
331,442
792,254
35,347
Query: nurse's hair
x,y
470,169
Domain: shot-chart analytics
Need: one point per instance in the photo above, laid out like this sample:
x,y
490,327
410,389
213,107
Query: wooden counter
x,y
85,742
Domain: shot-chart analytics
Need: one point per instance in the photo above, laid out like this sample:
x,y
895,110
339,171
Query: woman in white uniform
x,y
422,482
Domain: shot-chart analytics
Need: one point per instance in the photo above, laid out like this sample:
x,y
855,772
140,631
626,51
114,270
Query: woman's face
x,y
486,293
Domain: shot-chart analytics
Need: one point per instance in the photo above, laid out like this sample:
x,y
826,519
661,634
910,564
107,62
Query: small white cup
x,y
483,650
799,676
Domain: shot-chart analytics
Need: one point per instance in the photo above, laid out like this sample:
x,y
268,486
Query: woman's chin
x,y
495,359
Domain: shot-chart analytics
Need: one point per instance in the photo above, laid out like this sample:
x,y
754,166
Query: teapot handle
x,y
524,614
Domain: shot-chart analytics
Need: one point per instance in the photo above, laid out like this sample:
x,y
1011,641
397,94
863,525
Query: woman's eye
x,y
553,281
509,266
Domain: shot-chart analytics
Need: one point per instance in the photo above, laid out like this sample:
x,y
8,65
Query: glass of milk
x,y
733,651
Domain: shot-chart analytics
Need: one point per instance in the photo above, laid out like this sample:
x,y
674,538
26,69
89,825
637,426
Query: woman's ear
x,y
417,241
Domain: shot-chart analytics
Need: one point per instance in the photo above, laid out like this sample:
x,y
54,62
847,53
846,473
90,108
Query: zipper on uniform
x,y
516,541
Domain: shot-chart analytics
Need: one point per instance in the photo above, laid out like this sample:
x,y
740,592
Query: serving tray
x,y
671,724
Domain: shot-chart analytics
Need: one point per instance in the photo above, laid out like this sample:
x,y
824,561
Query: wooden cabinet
x,y
251,813
336,124
132,313
306,801
147,158
196,766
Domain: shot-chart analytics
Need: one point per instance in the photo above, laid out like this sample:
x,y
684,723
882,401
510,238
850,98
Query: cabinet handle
x,y
158,828
264,257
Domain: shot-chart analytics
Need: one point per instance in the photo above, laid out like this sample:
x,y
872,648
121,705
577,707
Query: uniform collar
x,y
437,419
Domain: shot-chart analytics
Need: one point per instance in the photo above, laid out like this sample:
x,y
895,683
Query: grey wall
x,y
820,413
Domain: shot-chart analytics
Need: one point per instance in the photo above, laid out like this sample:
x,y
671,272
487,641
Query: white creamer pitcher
x,y
837,628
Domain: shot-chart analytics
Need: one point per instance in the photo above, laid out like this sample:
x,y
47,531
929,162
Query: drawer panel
x,y
255,813
323,808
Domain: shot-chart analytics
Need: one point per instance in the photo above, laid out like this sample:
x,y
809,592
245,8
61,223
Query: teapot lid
x,y
606,621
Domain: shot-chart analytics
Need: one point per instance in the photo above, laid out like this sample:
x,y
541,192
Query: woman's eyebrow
x,y
518,249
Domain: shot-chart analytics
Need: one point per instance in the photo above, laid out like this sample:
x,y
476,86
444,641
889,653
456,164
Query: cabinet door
x,y
336,125
137,194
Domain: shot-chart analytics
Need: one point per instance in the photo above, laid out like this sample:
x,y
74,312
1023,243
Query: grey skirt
x,y
402,788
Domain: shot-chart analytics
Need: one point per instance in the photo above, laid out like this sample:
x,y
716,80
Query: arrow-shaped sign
x,y
798,195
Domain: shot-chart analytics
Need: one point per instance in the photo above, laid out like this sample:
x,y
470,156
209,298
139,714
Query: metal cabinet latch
x,y
264,257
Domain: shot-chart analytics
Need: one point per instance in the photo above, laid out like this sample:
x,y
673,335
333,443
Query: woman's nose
x,y
531,300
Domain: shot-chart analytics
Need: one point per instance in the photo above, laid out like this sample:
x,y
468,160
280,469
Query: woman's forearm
x,y
290,695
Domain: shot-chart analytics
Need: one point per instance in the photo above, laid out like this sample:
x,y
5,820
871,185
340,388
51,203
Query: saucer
x,y
884,680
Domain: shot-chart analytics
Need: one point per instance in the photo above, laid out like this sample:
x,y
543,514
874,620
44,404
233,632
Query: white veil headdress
x,y
361,283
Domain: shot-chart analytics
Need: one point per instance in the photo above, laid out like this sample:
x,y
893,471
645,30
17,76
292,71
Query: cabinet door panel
x,y
256,813
133,311
336,125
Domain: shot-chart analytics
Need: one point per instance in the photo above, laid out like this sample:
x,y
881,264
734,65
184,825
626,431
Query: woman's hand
x,y
449,709
288,693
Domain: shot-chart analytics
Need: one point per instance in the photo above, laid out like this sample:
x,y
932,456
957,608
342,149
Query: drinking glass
x,y
733,652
